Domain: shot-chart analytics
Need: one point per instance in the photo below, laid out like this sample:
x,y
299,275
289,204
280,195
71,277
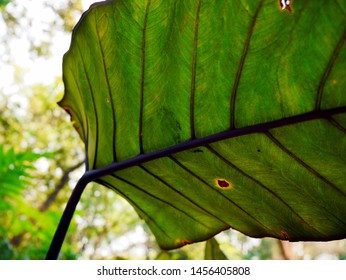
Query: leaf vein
x,y
329,68
310,169
260,184
336,124
301,162
181,194
218,192
94,106
134,203
109,90
194,72
241,65
172,205
141,103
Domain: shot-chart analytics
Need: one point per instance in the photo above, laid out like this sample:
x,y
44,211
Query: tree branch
x,y
59,187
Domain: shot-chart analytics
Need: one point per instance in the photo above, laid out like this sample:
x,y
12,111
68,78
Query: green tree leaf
x,y
4,2
215,114
14,169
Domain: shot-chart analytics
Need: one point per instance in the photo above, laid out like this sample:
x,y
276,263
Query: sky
x,y
36,70
19,69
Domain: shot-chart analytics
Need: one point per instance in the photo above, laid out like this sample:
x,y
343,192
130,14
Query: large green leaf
x,y
217,114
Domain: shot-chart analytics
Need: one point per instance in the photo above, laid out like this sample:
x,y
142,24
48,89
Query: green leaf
x,y
14,169
4,2
213,251
215,114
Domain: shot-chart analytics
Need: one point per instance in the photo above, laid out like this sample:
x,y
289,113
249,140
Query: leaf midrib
x,y
227,134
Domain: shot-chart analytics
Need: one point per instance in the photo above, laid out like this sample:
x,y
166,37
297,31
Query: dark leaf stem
x,y
65,220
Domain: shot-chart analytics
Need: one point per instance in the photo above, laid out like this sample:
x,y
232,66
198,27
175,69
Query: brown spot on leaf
x,y
334,82
107,100
68,110
183,242
223,183
285,235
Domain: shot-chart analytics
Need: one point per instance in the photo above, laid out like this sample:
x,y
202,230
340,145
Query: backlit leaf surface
x,y
145,76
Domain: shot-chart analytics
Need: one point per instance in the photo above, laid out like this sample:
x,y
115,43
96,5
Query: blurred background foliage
x,y
41,159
